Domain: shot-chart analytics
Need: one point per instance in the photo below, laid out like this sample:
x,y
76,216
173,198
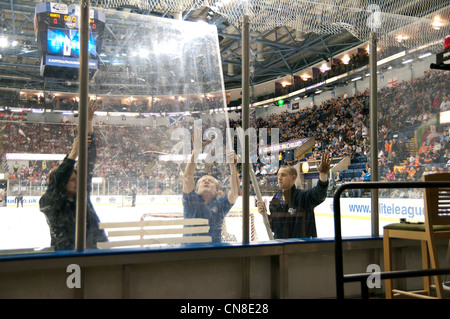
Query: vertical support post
x,y
279,276
81,204
126,292
245,125
374,131
246,160
339,263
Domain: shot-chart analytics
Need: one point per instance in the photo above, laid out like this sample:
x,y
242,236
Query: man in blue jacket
x,y
292,209
59,201
202,200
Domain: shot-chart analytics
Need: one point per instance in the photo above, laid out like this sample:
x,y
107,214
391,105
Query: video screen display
x,y
66,42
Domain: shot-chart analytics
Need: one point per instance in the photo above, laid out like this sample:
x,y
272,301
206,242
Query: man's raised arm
x,y
188,176
234,187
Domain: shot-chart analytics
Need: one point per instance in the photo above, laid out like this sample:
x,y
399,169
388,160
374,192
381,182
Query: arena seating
x,y
339,126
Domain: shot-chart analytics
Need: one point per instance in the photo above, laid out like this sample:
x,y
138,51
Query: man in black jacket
x,y
292,209
59,201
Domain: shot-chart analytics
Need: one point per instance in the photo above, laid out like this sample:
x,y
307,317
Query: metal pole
x,y
246,160
80,235
339,261
374,131
245,125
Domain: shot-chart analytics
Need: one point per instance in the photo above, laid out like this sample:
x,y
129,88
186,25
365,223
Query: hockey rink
x,y
26,227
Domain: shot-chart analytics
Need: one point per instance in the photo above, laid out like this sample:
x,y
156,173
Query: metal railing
x,y
341,279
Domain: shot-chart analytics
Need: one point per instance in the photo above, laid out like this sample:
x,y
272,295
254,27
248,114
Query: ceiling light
x,y
425,55
305,77
3,42
437,23
324,67
346,59
401,38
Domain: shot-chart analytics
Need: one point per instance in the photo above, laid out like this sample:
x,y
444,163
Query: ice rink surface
x,y
26,227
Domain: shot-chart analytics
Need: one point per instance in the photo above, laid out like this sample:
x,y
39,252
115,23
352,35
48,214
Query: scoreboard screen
x,y
58,38
66,42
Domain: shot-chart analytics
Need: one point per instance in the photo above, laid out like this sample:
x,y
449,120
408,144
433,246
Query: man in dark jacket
x,y
59,201
292,209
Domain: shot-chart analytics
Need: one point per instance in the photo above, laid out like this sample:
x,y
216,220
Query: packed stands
x,y
128,155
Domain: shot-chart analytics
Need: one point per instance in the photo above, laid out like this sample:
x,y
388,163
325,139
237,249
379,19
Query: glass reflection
x,y
154,77
157,77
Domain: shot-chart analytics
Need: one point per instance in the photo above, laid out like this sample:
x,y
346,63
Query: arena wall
x,y
290,269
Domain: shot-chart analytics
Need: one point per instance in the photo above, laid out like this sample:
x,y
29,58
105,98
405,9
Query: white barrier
x,y
389,208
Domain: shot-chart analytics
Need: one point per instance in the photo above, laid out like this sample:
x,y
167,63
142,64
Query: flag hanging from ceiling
x,y
175,119
393,81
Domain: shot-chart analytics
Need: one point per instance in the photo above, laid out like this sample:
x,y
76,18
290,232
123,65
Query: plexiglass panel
x,y
153,83
412,136
412,129
157,88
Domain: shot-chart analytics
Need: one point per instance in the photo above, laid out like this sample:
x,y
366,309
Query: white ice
x,y
26,227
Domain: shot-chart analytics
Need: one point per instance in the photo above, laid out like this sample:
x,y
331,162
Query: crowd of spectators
x,y
129,155
403,108
337,67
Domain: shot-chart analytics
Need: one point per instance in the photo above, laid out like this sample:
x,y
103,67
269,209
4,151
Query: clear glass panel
x,y
412,102
412,135
154,81
413,132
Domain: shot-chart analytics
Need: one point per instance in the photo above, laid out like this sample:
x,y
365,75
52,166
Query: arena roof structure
x,y
286,37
